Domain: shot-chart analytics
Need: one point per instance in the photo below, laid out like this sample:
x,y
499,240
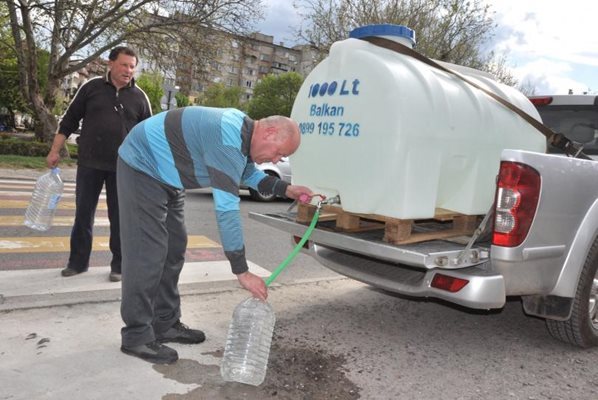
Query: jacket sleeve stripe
x,y
182,158
222,181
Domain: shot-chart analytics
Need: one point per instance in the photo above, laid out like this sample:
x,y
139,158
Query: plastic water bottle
x,y
248,344
44,201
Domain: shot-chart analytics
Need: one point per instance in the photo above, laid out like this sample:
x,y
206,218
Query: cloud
x,y
280,21
548,42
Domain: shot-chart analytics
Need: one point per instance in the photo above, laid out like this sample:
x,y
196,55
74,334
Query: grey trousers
x,y
153,241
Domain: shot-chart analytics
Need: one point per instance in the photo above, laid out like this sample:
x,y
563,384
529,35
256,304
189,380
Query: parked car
x,y
281,169
575,116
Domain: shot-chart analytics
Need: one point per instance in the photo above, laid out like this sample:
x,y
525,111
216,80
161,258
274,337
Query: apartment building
x,y
237,61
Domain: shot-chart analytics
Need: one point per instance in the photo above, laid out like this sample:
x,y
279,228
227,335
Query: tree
x,y
11,97
527,87
182,100
274,95
152,85
218,95
447,30
69,28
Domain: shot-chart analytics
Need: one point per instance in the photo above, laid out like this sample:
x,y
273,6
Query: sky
x,y
549,44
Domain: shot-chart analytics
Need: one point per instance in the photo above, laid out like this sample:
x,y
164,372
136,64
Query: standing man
x,y
108,107
182,149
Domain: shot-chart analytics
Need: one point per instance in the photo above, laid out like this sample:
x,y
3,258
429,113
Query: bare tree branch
x,y
86,29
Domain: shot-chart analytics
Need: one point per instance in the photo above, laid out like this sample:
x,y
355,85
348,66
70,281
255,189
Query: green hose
x,y
296,250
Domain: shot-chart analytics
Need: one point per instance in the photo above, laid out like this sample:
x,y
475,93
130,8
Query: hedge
x,y
29,148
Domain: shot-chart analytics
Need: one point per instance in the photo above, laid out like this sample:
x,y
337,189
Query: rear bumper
x,y
485,290
404,269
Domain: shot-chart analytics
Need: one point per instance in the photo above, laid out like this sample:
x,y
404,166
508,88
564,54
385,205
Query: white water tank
x,y
395,137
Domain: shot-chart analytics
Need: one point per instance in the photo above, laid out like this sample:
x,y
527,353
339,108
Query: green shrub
x,y
29,148
19,147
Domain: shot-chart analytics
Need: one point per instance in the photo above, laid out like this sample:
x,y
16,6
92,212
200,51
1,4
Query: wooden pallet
x,y
396,231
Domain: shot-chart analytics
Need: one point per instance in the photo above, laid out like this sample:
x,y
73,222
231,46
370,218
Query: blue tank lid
x,y
383,30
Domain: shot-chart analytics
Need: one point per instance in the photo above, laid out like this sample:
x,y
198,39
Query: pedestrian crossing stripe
x,y
5,188
28,194
17,220
62,244
62,205
21,183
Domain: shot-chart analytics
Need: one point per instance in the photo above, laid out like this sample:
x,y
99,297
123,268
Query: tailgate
x,y
447,253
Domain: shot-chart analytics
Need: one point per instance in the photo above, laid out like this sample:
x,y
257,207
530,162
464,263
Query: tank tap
x,y
332,200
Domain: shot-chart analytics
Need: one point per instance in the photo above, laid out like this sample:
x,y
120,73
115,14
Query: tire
x,y
264,197
581,329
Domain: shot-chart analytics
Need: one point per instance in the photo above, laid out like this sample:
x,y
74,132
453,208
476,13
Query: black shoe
x,y
153,352
114,277
68,271
181,333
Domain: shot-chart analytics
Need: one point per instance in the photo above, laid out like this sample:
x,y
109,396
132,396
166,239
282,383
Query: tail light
x,y
517,194
541,100
448,283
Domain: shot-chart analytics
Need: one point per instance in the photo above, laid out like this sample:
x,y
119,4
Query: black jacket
x,y
107,116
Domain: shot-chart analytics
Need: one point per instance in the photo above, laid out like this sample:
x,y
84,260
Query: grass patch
x,y
25,162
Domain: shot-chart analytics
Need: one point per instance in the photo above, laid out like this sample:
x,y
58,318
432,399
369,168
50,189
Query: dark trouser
x,y
89,186
154,240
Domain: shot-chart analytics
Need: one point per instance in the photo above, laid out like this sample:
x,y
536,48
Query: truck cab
x,y
575,116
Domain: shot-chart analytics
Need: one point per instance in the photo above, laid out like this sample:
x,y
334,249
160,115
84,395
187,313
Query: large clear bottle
x,y
44,201
247,346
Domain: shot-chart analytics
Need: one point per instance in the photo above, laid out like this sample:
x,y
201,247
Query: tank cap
x,y
389,30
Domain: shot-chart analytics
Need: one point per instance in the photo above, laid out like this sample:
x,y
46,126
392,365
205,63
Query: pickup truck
x,y
539,242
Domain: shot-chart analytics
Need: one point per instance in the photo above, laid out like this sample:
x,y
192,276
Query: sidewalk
x,y
67,174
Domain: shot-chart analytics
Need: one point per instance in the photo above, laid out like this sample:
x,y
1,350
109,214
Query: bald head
x,y
273,138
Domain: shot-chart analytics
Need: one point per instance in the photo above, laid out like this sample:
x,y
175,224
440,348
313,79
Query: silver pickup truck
x,y
541,242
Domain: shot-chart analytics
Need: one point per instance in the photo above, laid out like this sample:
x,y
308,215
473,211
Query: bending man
x,y
182,149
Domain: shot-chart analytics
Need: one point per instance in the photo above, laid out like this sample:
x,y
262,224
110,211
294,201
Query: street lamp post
x,y
169,101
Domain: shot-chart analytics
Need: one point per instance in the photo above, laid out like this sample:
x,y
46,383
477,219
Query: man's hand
x,y
254,284
52,159
295,191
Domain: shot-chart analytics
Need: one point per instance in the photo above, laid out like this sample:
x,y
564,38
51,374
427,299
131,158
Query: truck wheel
x,y
581,329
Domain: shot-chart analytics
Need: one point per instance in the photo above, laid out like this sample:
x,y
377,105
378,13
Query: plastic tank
x,y
395,137
44,201
248,343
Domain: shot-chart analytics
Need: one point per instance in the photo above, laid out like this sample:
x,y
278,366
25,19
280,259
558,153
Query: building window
x,y
248,83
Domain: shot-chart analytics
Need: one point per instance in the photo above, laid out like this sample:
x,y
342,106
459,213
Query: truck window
x,y
577,122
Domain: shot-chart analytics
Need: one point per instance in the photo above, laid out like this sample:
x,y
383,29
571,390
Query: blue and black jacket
x,y
196,147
